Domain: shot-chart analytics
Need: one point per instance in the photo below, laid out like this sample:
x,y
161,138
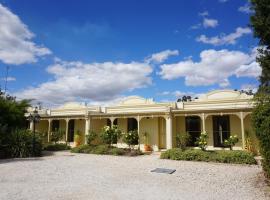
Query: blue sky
x,y
100,51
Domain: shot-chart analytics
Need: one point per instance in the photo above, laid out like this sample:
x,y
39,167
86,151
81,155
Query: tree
x,y
260,22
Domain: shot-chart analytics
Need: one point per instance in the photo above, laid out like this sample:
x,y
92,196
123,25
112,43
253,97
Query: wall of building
x,y
235,126
150,126
209,130
249,132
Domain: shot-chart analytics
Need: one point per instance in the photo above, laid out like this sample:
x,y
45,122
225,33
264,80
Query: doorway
x,y
221,130
71,126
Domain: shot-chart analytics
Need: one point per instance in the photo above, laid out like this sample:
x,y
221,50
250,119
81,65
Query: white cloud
x,y
161,56
224,39
214,67
245,8
248,87
16,46
210,23
10,78
77,81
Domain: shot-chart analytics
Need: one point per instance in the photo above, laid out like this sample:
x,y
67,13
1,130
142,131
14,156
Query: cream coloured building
x,y
220,113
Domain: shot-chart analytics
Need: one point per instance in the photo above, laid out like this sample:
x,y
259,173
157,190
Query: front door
x,y
71,125
221,130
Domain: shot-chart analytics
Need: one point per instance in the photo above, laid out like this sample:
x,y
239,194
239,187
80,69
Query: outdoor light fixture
x,y
35,118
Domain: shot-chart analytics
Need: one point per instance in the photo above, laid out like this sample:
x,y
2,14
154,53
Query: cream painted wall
x,y
122,124
151,127
209,130
180,127
249,130
235,128
97,124
79,125
162,133
42,126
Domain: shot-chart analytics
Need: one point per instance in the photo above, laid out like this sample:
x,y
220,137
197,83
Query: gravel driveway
x,y
81,176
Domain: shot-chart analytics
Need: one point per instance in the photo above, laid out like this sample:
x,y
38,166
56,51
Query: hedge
x,y
222,156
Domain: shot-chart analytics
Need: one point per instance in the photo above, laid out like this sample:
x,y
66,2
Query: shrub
x,y
110,135
90,137
202,141
131,138
231,141
21,143
182,140
57,135
56,147
117,151
78,138
223,156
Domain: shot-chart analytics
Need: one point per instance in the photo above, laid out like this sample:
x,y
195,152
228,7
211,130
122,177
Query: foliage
x,y
56,147
260,22
202,141
90,137
182,139
105,149
19,143
78,137
57,135
12,112
110,135
223,156
249,143
231,141
131,138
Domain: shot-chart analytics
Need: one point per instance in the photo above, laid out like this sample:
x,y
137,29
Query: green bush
x,y
222,156
231,141
90,137
131,138
182,139
105,149
19,144
110,135
202,141
56,147
57,135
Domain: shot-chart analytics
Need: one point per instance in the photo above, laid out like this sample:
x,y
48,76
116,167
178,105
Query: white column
x,y
31,126
49,129
67,120
242,129
138,121
168,132
203,122
87,128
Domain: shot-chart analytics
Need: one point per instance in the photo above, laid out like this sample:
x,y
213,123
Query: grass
x,y
222,156
104,149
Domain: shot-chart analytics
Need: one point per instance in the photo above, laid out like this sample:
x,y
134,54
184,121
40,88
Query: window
x,y
71,126
193,127
132,124
115,122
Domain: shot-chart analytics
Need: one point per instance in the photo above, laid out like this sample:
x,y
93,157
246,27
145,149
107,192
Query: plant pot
x,y
147,147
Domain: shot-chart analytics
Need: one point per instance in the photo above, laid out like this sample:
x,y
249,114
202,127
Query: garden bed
x,y
106,150
56,147
222,156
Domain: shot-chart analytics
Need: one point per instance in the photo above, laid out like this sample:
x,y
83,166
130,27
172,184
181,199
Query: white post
x,y
138,121
67,120
32,126
203,122
169,132
87,128
49,129
242,130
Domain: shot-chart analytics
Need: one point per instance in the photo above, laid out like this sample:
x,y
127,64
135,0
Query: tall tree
x,y
260,22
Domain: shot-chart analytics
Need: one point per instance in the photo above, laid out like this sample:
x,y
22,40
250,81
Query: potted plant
x,y
147,146
78,138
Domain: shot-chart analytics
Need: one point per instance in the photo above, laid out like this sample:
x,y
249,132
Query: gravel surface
x,y
82,176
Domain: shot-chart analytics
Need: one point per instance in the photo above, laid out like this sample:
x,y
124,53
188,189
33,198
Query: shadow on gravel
x,y
2,161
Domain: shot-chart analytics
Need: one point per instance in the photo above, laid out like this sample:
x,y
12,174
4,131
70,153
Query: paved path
x,y
81,176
